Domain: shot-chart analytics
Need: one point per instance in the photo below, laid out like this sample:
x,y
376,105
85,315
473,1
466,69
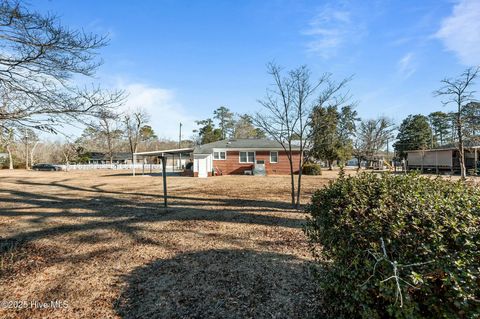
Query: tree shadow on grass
x,y
220,284
92,210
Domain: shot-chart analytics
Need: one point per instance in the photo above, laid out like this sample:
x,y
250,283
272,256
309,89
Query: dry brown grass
x,y
101,241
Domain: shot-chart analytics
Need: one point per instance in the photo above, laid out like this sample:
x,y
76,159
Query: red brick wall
x,y
232,164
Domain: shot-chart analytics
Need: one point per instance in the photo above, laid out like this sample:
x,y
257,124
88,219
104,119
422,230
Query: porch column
x,y
164,176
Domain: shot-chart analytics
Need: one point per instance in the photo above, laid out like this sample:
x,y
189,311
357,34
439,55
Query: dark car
x,y
46,167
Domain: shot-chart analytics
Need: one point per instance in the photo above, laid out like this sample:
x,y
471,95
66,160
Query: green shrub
x,y
311,169
428,229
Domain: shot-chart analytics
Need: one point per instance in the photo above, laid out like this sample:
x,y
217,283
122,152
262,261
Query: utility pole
x,y
26,149
180,146
180,137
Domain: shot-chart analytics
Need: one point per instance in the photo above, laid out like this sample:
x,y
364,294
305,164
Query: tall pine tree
x,y
414,133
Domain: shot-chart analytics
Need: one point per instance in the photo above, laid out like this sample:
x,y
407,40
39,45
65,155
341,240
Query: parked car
x,y
46,167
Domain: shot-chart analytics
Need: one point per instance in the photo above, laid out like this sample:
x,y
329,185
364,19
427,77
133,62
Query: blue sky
x,y
182,59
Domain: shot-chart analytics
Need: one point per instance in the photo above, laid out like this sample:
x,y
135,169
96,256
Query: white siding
x,y
197,157
430,158
414,158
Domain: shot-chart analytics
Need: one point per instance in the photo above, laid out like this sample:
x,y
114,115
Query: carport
x,y
162,155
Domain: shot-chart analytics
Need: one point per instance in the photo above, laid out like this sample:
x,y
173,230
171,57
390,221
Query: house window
x,y
219,155
273,157
247,157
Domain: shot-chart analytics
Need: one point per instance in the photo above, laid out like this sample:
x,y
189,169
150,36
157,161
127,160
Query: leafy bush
x,y
311,169
397,246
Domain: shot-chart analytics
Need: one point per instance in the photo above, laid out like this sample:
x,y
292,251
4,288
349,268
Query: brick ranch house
x,y
240,156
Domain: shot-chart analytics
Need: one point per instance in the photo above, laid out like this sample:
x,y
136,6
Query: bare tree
x,y
108,129
372,136
134,121
32,152
69,152
359,151
47,152
288,106
459,92
38,60
30,140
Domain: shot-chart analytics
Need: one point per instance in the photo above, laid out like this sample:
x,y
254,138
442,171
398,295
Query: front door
x,y
202,167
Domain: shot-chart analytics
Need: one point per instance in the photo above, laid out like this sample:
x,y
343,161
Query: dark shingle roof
x,y
247,143
116,156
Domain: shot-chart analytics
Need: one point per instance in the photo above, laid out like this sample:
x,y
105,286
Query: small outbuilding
x,y
444,159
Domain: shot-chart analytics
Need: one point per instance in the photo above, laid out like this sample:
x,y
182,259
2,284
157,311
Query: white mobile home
x,y
444,159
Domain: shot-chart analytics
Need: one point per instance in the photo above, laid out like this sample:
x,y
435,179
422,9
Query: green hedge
x,y
311,169
427,229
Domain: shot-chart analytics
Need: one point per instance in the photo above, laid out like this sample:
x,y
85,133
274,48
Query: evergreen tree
x,y
472,120
332,133
207,132
414,133
244,128
441,126
225,120
147,133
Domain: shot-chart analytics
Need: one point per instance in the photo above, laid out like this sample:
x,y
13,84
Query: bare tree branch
x,y
287,107
39,59
459,92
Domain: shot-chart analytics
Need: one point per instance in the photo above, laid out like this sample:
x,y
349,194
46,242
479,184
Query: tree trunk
x,y
32,153
329,165
292,181
461,149
10,157
110,148
66,161
299,183
26,156
133,150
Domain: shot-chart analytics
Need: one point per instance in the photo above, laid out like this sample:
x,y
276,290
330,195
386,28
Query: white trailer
x,y
428,159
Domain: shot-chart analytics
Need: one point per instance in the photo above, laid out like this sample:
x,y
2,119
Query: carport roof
x,y
165,152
